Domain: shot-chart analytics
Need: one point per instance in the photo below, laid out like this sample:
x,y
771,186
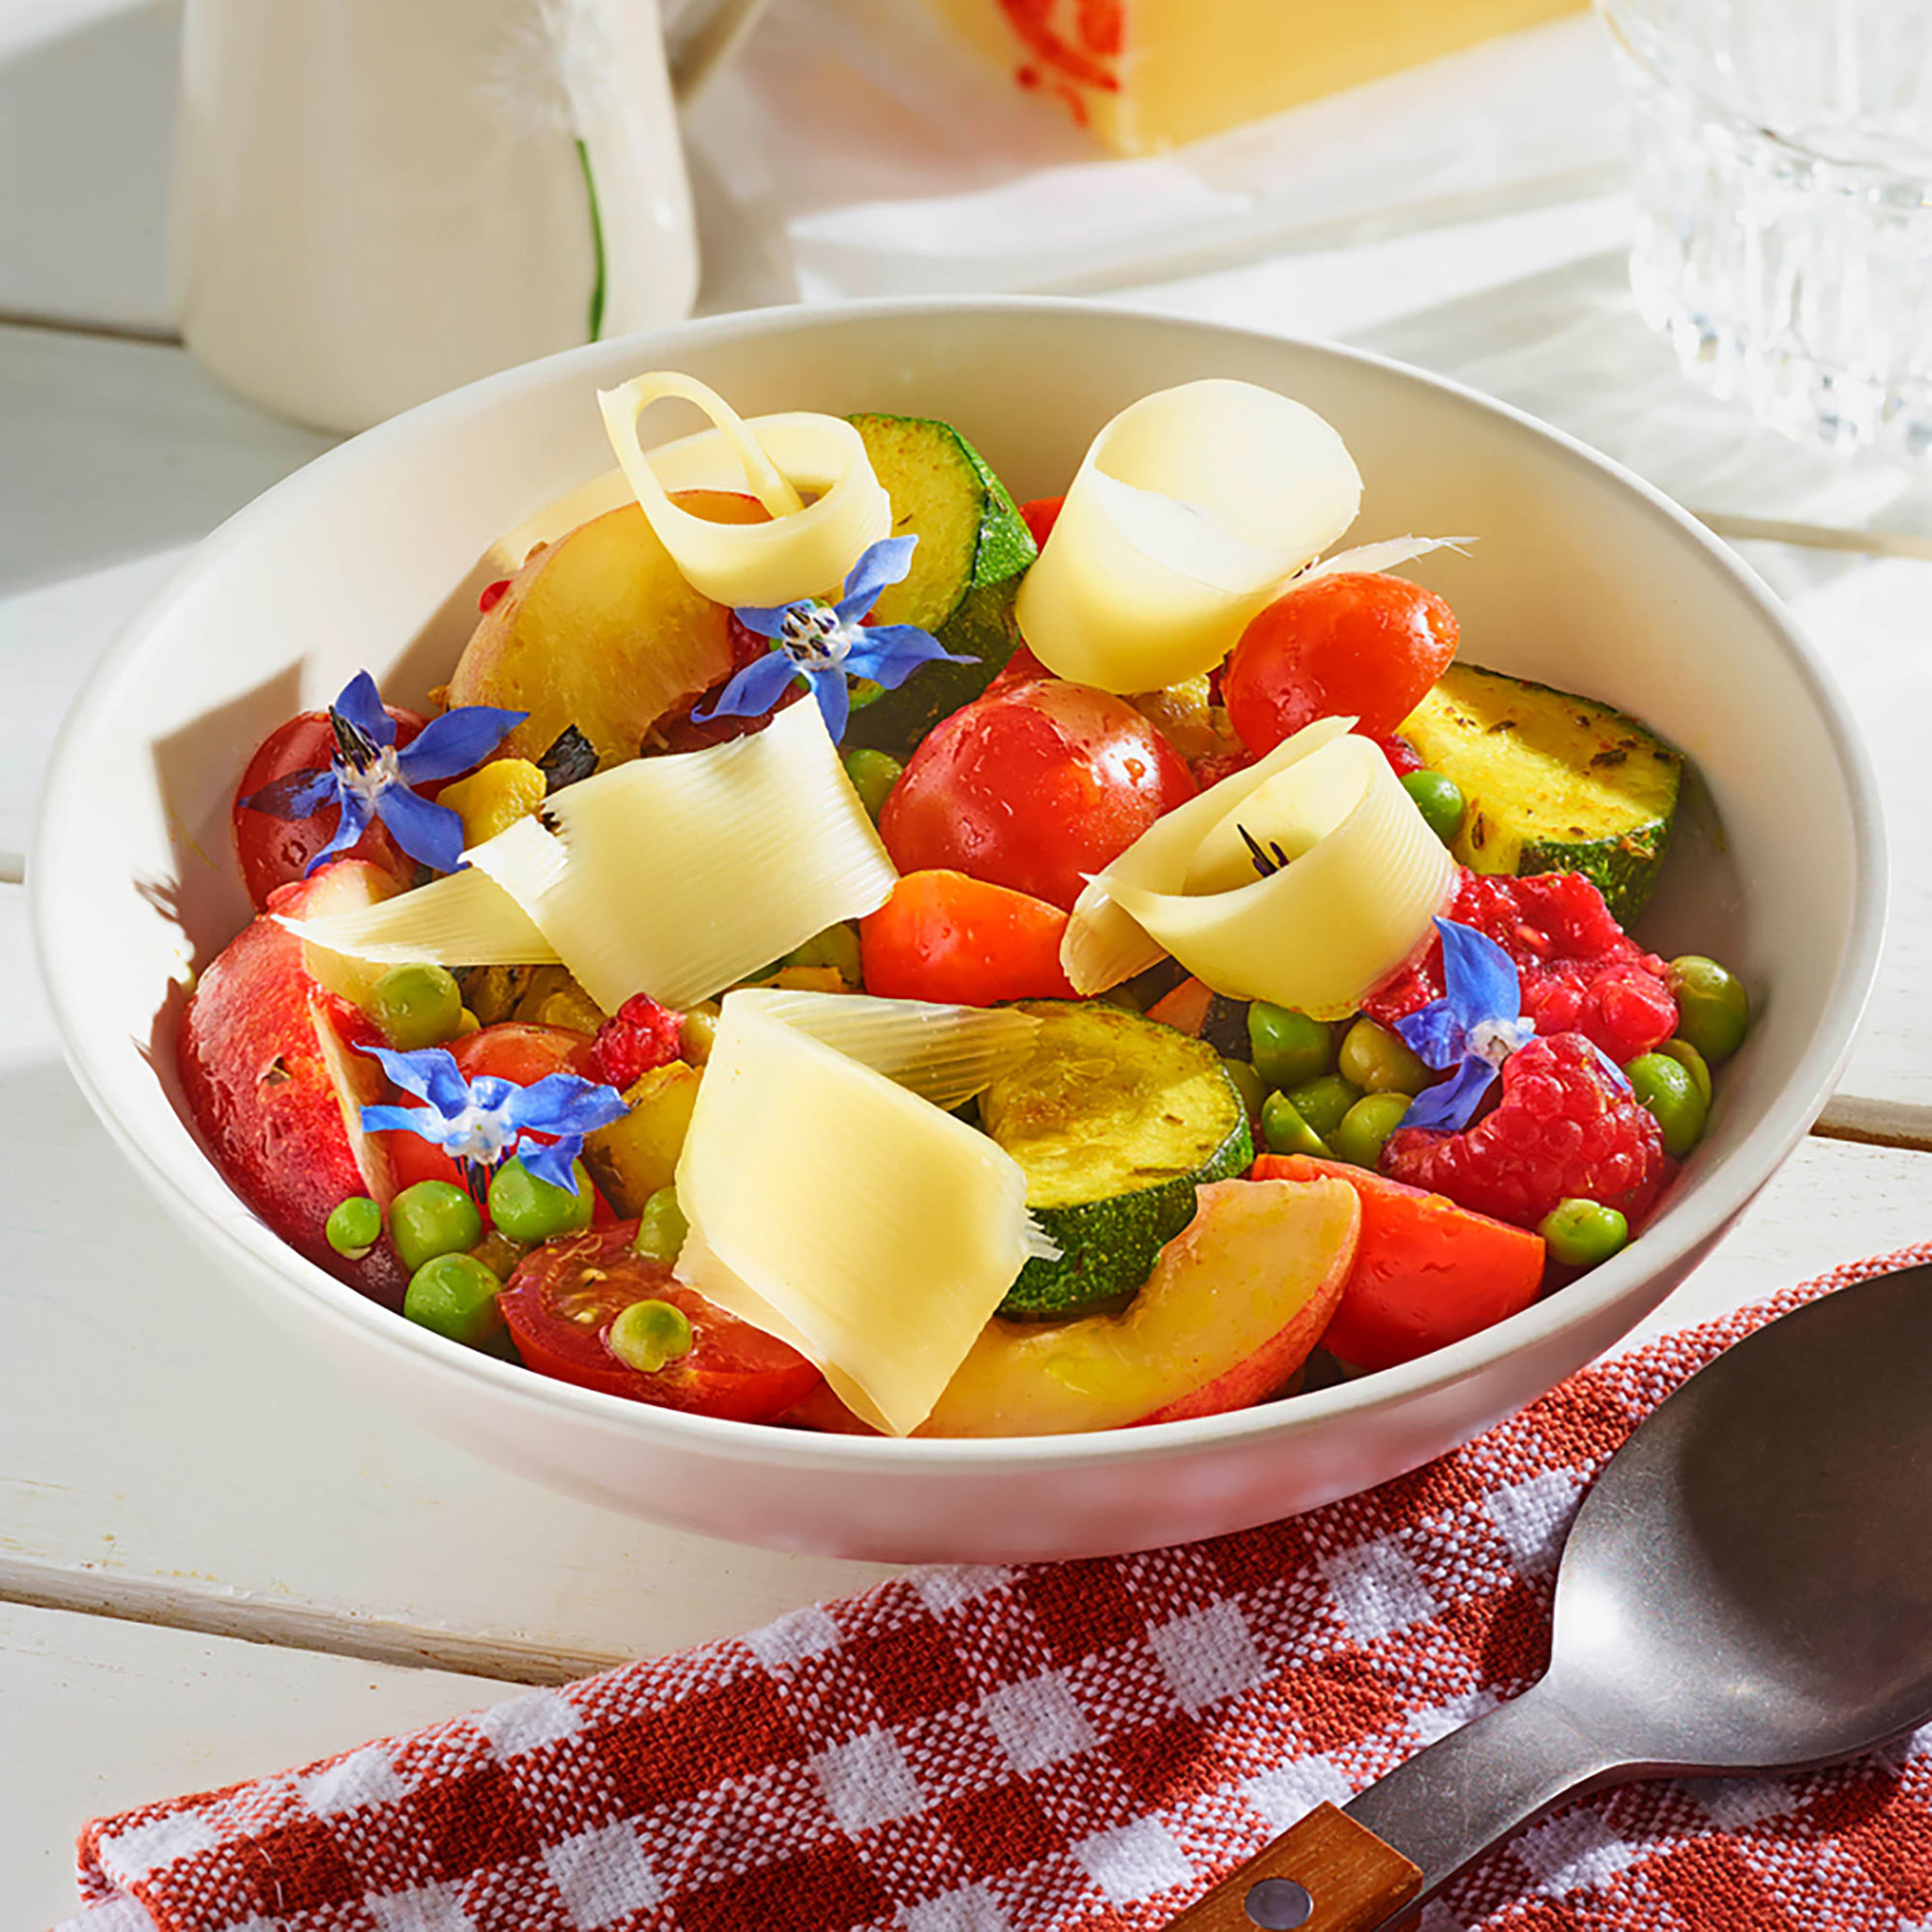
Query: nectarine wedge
x,y
273,1079
1235,1303
601,631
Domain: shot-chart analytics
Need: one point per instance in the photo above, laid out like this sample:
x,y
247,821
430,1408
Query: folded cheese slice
x,y
1356,878
674,876
842,1212
808,547
679,876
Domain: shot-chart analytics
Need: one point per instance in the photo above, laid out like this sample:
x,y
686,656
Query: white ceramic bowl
x,y
1583,578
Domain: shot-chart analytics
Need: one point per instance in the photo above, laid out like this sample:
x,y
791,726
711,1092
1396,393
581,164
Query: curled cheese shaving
x,y
1191,508
808,547
1357,878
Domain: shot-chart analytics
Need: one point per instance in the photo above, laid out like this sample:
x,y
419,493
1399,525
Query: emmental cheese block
x,y
1141,76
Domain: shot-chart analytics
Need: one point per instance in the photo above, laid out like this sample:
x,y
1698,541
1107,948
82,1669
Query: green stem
x,y
596,242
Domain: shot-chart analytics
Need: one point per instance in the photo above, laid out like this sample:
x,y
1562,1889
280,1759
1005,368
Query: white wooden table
x,y
214,1561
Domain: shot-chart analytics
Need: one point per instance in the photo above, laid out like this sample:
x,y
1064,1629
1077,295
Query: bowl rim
x,y
189,1181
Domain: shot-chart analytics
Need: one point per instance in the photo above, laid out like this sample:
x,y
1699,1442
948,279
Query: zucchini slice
x,y
1115,1120
1552,782
973,547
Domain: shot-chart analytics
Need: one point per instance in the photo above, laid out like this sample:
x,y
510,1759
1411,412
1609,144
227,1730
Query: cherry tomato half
x,y
1036,787
560,1305
273,851
961,942
1351,644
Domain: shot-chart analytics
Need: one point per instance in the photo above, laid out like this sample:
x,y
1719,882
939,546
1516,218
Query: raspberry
x,y
1403,757
1561,1131
1579,972
641,1035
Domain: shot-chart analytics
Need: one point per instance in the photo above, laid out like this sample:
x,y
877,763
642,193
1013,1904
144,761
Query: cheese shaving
x,y
1192,508
1359,877
808,547
678,876
944,1054
464,919
836,1208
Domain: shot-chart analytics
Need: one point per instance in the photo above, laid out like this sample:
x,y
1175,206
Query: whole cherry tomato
x,y
961,942
1348,645
562,1301
1035,787
273,851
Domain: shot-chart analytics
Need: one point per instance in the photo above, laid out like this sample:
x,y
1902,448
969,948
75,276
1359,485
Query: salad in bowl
x,y
1051,1281
845,951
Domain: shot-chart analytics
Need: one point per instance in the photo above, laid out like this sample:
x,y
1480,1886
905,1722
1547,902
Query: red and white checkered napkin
x,y
1078,1746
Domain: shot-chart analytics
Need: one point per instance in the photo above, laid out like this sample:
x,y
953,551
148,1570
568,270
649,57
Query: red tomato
x,y
1042,515
1347,645
560,1305
1426,1271
517,1050
273,851
942,936
1035,787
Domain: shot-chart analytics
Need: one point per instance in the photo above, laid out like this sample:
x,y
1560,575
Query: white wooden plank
x,y
116,449
103,1715
51,637
1872,621
162,1447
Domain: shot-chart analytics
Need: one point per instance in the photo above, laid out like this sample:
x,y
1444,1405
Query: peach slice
x,y
599,631
1234,1306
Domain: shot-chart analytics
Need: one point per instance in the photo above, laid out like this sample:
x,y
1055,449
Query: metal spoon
x,y
1747,1587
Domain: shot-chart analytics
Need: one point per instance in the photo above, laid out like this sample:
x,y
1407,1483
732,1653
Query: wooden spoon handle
x,y
1326,1874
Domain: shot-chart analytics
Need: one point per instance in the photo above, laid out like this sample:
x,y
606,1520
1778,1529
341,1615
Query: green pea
x,y
661,1227
1579,1234
1439,799
873,774
354,1227
417,1006
1713,1010
838,947
1380,1061
1288,1047
431,1219
527,1209
1323,1101
1360,1136
1665,1086
454,1295
1691,1061
1248,1084
648,1334
1285,1132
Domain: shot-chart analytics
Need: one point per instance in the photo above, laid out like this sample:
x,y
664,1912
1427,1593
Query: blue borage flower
x,y
369,778
1473,1028
825,644
481,1123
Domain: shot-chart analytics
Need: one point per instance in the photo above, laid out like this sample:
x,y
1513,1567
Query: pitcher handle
x,y
706,34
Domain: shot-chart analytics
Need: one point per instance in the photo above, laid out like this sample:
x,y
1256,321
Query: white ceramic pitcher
x,y
377,200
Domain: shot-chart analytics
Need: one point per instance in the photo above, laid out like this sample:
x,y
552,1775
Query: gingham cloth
x,y
1075,1748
